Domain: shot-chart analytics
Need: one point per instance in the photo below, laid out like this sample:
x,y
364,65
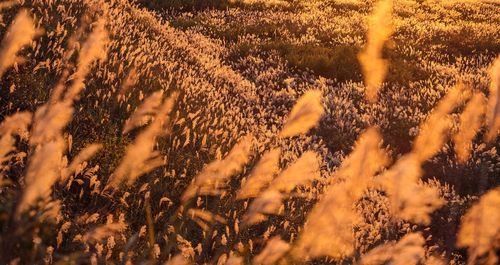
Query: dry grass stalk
x,y
94,48
140,157
20,33
212,179
304,115
304,170
471,121
434,130
329,227
268,203
274,250
145,112
84,155
373,65
409,250
480,228
261,175
43,171
493,113
16,124
205,218
410,199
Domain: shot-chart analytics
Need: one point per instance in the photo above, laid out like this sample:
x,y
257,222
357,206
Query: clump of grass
x,y
338,62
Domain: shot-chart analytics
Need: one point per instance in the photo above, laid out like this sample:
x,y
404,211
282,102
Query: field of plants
x,y
260,132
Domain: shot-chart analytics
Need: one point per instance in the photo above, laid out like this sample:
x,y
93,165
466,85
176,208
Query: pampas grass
x,y
261,175
305,114
302,172
274,250
129,136
20,34
480,230
471,121
11,126
43,172
374,66
141,157
329,227
212,179
408,250
493,114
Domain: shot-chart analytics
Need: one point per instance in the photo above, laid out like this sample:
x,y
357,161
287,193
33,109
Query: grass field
x,y
250,132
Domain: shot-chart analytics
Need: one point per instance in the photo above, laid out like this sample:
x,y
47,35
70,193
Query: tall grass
x,y
149,146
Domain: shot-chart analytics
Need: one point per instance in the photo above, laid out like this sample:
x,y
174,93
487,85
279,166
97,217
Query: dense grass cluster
x,y
185,4
249,132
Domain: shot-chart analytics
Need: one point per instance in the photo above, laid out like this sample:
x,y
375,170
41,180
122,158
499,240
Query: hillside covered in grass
x,y
249,132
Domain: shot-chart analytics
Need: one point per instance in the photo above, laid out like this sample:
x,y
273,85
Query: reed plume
x,y
93,49
261,175
471,121
311,195
480,228
409,250
14,125
205,218
269,202
329,227
362,164
409,199
8,4
434,130
178,260
302,171
46,133
493,112
274,250
145,112
84,155
373,65
43,171
212,179
304,115
20,33
140,157
49,121
103,231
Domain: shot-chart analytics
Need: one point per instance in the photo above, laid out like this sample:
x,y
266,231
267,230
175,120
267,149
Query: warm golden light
x,y
259,132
